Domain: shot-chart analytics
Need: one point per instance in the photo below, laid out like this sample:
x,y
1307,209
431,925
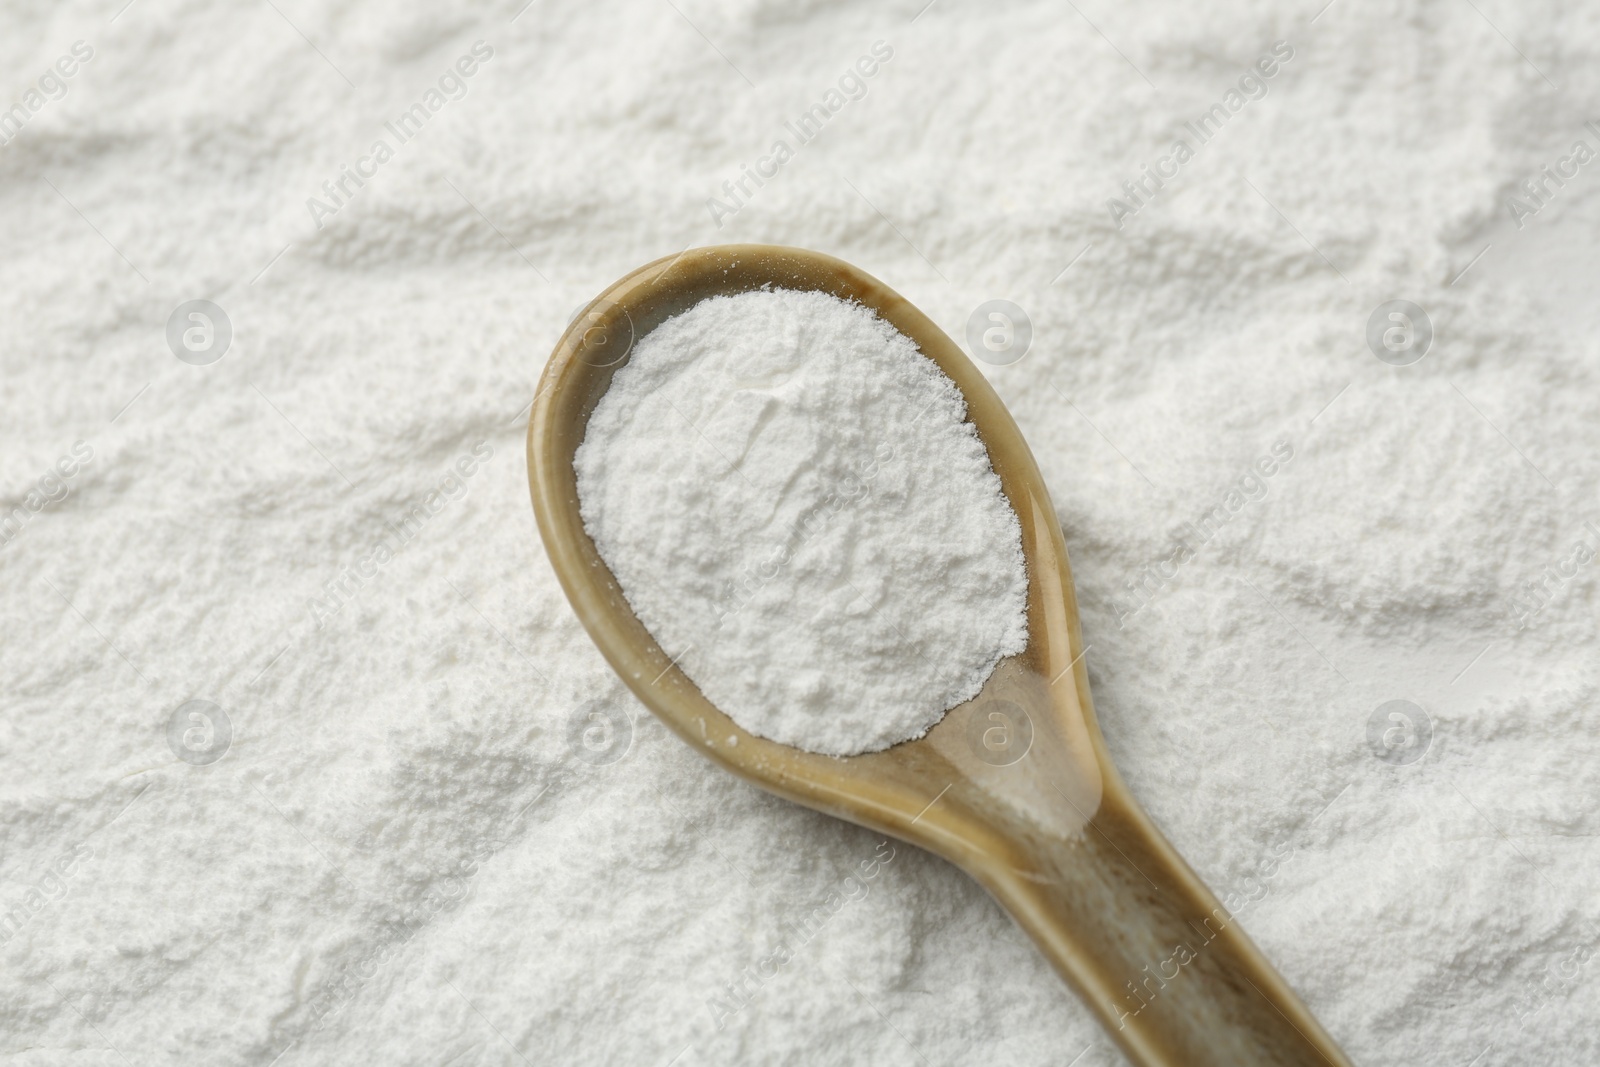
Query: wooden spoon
x,y
1014,787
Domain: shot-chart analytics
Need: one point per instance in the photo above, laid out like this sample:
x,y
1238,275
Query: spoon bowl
x,y
1015,786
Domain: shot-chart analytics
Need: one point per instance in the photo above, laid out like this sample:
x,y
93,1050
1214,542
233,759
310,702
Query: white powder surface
x,y
799,514
441,832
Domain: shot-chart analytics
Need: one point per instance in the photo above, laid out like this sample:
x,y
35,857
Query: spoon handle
x,y
1167,969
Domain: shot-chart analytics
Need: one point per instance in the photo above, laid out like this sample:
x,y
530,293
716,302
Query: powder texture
x,y
797,511
445,834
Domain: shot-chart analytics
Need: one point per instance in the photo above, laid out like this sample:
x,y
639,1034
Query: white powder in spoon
x,y
796,509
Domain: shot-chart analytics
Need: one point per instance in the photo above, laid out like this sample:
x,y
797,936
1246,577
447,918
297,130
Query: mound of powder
x,y
440,831
796,508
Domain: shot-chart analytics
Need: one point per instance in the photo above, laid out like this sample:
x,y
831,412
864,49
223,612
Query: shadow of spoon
x,y
1015,786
